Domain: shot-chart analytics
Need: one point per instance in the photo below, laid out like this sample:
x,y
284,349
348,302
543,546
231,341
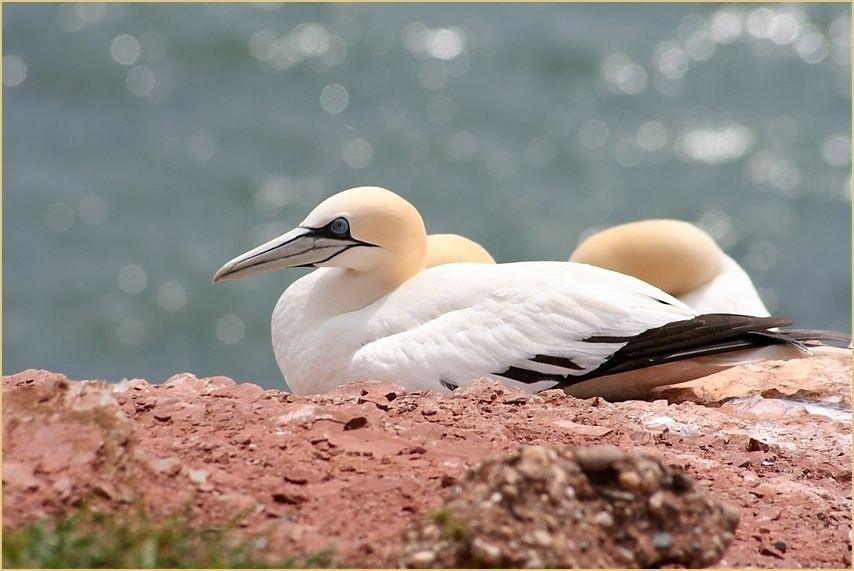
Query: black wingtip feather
x,y
704,335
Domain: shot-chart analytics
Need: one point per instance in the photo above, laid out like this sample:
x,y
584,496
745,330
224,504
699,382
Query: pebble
x,y
486,552
603,519
598,458
544,539
168,465
730,513
198,476
662,540
629,481
421,559
656,501
651,479
534,454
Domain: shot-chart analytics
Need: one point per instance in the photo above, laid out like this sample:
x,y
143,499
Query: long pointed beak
x,y
299,247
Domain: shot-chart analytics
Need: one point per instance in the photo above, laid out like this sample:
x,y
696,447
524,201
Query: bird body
x,y
677,257
458,322
372,311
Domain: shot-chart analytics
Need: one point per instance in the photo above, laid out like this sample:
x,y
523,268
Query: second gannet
x,y
372,312
453,248
678,258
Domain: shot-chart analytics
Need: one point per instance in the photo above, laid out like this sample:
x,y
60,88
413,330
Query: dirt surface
x,y
353,469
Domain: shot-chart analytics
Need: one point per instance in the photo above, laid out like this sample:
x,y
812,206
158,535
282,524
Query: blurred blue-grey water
x,y
145,145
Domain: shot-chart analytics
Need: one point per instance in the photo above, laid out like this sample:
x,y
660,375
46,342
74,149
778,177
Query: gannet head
x,y
362,229
672,255
452,248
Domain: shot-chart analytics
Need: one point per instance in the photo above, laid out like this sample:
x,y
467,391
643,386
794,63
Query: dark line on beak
x,y
314,264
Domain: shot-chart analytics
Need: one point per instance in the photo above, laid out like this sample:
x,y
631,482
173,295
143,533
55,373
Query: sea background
x,y
145,145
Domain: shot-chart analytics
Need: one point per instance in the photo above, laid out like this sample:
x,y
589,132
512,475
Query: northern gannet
x,y
678,258
453,248
373,312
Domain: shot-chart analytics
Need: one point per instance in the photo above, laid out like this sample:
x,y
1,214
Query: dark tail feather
x,y
701,336
812,337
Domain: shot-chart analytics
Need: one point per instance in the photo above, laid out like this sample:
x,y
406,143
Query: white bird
x,y
678,258
373,312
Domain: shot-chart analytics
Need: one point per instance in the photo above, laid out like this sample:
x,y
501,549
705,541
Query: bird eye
x,y
339,226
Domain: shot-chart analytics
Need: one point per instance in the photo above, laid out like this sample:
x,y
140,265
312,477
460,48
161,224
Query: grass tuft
x,y
129,539
449,526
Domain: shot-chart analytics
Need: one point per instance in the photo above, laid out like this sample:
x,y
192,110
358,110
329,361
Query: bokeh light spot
x,y
441,109
462,146
201,146
594,134
92,210
837,151
131,331
726,27
334,99
171,296
358,153
132,279
125,49
141,81
59,217
432,75
14,71
230,329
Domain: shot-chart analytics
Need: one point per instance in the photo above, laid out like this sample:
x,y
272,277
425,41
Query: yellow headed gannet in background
x,y
678,258
373,312
452,249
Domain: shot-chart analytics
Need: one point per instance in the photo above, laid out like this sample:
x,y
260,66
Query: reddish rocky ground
x,y
350,470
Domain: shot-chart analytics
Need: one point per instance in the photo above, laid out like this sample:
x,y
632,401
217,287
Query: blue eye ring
x,y
339,226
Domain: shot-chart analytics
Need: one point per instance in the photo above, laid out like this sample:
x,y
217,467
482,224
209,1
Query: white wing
x,y
451,324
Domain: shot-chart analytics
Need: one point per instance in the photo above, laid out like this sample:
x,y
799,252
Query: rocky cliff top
x,y
352,470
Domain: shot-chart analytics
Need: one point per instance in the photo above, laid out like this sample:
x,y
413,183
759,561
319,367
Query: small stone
x,y
629,481
356,423
297,476
288,497
595,459
429,410
485,552
650,478
542,538
730,513
662,540
169,466
769,550
421,559
198,476
755,445
656,501
603,519
63,487
781,546
534,454
682,483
